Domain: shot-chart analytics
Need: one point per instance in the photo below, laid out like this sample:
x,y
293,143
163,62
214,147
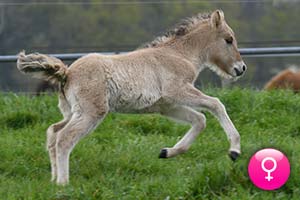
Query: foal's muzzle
x,y
239,68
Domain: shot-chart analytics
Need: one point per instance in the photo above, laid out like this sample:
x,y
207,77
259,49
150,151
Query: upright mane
x,y
180,29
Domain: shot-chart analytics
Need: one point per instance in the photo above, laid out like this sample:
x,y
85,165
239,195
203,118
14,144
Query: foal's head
x,y
223,56
209,38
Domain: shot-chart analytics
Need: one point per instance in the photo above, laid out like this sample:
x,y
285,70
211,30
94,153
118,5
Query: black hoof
x,y
163,153
233,155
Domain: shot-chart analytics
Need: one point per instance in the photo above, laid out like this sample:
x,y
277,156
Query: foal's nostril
x,y
244,67
238,73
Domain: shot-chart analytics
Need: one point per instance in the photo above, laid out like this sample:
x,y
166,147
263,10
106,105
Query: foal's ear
x,y
217,19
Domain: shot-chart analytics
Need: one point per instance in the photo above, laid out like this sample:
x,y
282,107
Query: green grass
x,y
119,160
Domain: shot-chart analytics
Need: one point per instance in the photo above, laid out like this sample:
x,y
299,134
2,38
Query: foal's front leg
x,y
185,114
191,96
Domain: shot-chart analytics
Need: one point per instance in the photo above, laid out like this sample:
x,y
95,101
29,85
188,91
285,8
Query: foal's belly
x,y
132,90
133,103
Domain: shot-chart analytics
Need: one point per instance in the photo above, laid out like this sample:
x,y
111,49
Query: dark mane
x,y
180,29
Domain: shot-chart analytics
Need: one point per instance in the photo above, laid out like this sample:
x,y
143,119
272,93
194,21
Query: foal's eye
x,y
229,40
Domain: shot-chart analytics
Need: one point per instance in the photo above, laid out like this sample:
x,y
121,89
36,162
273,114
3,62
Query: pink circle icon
x,y
269,169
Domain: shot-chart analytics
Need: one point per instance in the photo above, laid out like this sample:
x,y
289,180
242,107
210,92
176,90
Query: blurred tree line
x,y
97,26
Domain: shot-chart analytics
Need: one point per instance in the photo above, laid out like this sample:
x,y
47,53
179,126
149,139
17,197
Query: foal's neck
x,y
193,47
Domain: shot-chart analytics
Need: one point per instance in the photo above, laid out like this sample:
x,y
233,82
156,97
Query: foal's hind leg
x,y
51,141
52,132
80,124
186,114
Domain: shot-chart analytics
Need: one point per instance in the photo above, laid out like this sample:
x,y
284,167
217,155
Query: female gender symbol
x,y
269,161
269,177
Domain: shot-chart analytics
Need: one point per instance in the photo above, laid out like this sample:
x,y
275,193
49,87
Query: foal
x,y
155,79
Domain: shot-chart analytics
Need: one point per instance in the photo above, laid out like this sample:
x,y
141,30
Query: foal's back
x,y
130,83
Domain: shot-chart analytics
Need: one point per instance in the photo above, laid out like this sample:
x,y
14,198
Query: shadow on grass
x,y
18,120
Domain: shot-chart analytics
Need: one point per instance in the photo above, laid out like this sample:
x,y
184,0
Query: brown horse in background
x,y
286,79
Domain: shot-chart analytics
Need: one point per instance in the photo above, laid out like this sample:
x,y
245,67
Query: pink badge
x,y
269,169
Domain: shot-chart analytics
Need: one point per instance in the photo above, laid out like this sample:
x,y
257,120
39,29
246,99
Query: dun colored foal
x,y
157,78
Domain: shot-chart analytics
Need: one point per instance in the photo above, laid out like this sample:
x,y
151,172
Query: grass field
x,y
119,160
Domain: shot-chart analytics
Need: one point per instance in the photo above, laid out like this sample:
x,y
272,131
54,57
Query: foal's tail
x,y
42,67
